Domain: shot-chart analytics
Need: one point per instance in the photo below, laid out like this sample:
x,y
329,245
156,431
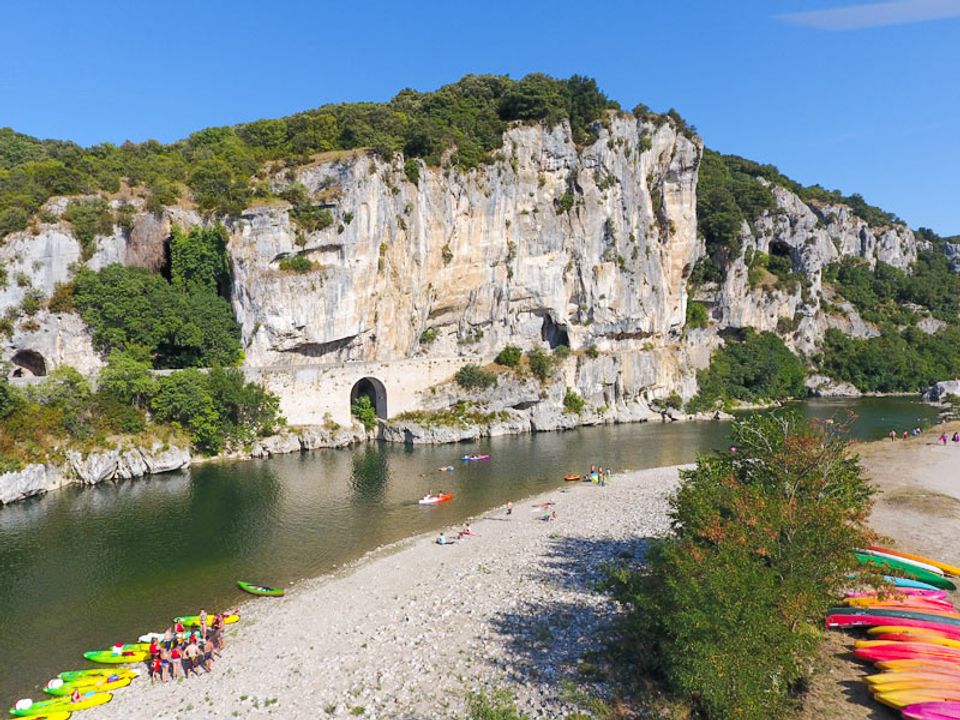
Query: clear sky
x,y
864,97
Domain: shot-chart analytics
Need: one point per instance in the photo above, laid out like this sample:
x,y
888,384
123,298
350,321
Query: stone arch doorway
x,y
373,389
28,363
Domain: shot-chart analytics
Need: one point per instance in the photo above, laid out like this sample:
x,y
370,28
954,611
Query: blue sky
x,y
863,98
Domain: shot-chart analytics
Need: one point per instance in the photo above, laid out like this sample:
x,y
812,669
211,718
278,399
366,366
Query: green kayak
x,y
255,589
907,569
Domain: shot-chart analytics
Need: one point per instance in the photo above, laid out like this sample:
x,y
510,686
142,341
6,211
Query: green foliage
x,y
362,409
89,218
572,402
592,352
759,368
498,705
510,356
473,377
311,217
245,410
61,301
411,168
183,398
541,364
428,336
127,378
697,315
198,261
460,415
560,354
565,202
727,614
296,264
129,307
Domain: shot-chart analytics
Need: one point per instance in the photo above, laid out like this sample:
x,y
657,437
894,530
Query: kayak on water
x,y
229,618
435,499
572,478
59,688
108,657
917,573
915,563
474,458
949,569
28,708
255,589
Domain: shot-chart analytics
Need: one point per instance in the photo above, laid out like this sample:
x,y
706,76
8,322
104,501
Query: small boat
x,y
945,567
435,499
47,708
59,688
263,590
910,570
571,478
474,458
97,674
108,657
229,617
937,710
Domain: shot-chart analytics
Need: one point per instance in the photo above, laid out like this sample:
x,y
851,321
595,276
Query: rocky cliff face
x,y
550,244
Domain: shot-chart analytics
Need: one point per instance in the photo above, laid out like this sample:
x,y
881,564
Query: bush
x,y
473,377
541,364
61,301
510,356
561,353
572,403
697,316
592,352
759,368
565,202
296,264
411,168
88,219
428,336
362,409
727,614
127,378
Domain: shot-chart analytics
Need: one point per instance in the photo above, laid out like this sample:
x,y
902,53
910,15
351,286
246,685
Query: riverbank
x,y
918,510
411,629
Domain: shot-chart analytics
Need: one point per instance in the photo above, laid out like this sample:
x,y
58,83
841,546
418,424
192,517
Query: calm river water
x,y
83,568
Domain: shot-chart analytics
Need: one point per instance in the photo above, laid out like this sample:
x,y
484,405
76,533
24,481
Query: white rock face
x,y
943,390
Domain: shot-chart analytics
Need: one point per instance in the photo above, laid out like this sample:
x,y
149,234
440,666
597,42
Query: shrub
x,y
312,218
89,218
428,336
697,316
572,403
541,364
592,352
61,301
498,705
473,377
510,356
565,202
296,264
127,378
561,353
411,168
727,614
198,261
758,368
362,409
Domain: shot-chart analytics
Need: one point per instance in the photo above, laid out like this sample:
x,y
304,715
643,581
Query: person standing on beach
x,y
893,434
509,508
203,623
943,439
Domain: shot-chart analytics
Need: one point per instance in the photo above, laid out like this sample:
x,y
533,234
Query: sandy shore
x,y
918,509
408,631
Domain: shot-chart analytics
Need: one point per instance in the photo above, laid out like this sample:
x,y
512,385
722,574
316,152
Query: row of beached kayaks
x,y
96,685
913,634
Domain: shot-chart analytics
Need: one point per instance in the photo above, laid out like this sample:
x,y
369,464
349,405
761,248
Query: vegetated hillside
x,y
489,211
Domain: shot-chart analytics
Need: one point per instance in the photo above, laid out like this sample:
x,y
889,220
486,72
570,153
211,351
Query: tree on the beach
x,y
727,614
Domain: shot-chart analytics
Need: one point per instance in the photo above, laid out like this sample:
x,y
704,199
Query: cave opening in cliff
x,y
553,333
375,391
29,361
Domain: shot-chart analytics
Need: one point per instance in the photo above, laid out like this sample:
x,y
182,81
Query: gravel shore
x,y
411,629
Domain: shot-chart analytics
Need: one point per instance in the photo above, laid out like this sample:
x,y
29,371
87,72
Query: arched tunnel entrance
x,y
375,391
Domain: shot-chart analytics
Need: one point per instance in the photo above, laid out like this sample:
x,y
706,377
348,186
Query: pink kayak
x,y
932,711
868,620
906,651
912,592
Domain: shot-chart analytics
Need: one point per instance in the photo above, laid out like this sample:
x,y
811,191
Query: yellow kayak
x,y
194,620
881,681
899,699
925,640
46,707
949,569
62,689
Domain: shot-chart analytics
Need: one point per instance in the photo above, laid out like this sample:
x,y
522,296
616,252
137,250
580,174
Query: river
x,y
86,567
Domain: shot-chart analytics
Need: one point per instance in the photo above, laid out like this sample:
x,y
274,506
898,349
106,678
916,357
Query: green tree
x,y
183,398
510,356
127,378
362,409
198,261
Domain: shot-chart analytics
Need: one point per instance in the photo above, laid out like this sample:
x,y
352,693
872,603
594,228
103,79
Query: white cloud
x,y
855,17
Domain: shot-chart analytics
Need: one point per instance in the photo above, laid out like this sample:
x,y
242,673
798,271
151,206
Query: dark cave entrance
x,y
373,389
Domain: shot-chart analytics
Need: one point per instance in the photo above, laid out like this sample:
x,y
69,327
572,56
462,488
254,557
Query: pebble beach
x,y
411,629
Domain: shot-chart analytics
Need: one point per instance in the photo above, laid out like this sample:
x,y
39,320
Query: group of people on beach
x,y
916,432
464,533
181,652
955,439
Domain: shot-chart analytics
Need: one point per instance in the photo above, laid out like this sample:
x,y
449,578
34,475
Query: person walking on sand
x,y
893,434
943,439
956,438
192,653
509,508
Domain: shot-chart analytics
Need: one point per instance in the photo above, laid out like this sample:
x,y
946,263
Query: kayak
x,y
194,620
917,664
572,478
880,630
158,636
901,582
907,651
60,688
909,603
911,635
900,592
835,621
72,675
435,499
912,571
32,709
931,683
903,698
952,619
916,563
52,715
260,589
107,657
949,569
474,458
887,678
927,640
932,711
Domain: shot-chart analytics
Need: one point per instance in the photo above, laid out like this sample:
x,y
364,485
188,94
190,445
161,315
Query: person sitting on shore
x,y
466,532
442,540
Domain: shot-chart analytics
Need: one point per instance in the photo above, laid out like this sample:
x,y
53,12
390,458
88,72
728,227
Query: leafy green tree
x,y
127,378
473,377
183,398
362,409
198,261
541,364
89,218
510,356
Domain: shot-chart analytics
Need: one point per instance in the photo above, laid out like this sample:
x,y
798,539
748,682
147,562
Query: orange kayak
x,y
949,569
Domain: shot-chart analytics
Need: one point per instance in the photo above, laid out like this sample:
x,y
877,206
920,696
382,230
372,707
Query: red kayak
x,y
868,620
907,650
